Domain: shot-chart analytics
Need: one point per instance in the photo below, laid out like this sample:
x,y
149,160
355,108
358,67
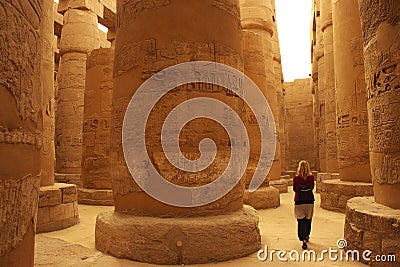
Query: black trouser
x,y
303,228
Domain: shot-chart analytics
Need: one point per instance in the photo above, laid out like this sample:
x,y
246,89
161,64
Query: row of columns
x,y
341,98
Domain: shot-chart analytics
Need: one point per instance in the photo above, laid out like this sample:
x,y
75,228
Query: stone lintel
x,y
93,5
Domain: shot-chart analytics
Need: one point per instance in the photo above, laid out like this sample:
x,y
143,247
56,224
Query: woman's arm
x,y
295,184
311,181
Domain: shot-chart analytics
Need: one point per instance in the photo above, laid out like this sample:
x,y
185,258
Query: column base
x,y
281,185
262,198
58,207
323,176
336,193
75,179
95,197
191,240
372,226
288,179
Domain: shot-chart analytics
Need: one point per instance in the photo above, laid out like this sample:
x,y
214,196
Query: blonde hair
x,y
303,169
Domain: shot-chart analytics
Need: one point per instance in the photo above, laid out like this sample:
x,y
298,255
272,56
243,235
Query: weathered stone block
x,y
262,198
49,196
371,241
69,193
281,185
43,215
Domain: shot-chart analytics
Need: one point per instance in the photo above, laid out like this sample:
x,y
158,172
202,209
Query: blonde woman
x,y
303,185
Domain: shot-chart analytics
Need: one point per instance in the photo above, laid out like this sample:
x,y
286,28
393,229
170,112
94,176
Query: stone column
x,y
21,126
254,67
256,19
256,16
48,109
58,205
320,94
281,184
79,36
352,119
314,81
330,91
381,28
97,186
374,223
150,38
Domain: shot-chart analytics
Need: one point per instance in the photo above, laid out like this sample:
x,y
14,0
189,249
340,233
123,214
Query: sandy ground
x,y
75,246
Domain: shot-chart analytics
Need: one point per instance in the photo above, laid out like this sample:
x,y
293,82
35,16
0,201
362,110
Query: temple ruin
x,y
71,192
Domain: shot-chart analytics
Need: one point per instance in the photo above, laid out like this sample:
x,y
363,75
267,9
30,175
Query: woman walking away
x,y
303,185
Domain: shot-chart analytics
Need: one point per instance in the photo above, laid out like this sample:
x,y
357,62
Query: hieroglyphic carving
x,y
349,120
156,59
385,78
229,8
18,63
132,8
18,207
20,125
19,136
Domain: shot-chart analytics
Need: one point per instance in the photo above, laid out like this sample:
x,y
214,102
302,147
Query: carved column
x,y
320,95
21,126
96,179
254,66
256,16
79,36
352,120
373,223
330,91
58,205
151,36
314,81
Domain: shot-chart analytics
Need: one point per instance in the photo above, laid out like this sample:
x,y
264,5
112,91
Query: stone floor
x,y
75,246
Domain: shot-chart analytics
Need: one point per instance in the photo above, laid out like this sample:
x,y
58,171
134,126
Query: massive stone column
x,y
256,20
320,95
330,91
374,223
48,110
151,37
79,36
280,102
352,119
254,67
256,16
96,179
314,81
21,126
58,206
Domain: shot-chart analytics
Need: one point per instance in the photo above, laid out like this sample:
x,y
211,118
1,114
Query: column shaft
x,y
21,126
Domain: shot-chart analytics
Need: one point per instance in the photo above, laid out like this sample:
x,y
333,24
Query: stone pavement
x,y
75,246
